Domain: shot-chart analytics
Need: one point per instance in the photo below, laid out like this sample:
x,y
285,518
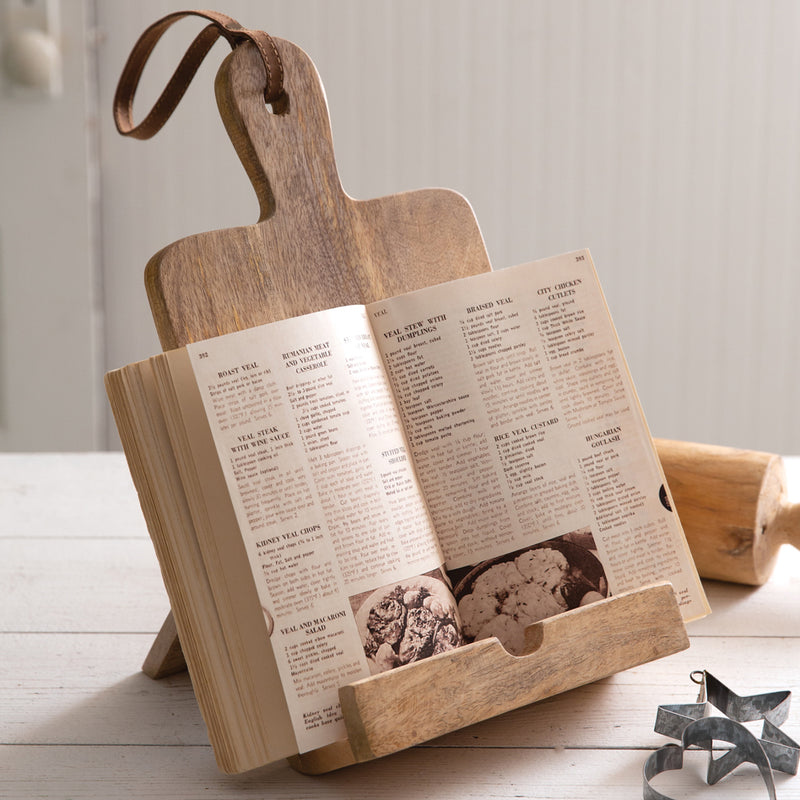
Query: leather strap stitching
x,y
221,25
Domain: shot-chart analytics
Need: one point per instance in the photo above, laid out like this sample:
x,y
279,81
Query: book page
x,y
530,445
341,547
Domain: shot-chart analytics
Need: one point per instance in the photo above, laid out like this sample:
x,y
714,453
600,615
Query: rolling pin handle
x,y
785,527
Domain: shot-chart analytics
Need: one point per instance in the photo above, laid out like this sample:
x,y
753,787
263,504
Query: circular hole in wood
x,y
279,106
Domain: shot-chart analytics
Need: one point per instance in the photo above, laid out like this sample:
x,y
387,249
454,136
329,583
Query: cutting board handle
x,y
286,147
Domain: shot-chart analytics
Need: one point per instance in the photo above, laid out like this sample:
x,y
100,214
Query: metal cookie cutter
x,y
702,732
772,707
691,724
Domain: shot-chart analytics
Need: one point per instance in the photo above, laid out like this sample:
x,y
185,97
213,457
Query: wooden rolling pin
x,y
733,507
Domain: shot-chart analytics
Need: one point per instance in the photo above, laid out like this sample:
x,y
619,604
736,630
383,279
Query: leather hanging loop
x,y
221,25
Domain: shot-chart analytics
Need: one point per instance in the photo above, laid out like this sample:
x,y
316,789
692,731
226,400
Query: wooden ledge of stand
x,y
418,702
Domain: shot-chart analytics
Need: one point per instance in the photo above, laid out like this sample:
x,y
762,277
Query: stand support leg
x,y
165,656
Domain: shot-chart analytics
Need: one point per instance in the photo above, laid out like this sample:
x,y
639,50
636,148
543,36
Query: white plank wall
x,y
83,599
50,301
663,136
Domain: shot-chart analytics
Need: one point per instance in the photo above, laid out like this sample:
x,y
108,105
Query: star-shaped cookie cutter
x,y
771,707
702,732
691,724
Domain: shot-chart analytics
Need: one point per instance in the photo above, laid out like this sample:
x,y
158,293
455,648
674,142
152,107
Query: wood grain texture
x,y
54,501
39,574
314,247
732,504
182,773
165,657
406,706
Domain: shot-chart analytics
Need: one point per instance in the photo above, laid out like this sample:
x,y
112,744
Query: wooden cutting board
x,y
313,247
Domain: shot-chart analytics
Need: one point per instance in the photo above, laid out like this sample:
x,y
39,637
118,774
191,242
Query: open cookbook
x,y
349,492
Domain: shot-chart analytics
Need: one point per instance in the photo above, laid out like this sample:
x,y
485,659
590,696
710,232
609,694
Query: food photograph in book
x,y
406,621
502,596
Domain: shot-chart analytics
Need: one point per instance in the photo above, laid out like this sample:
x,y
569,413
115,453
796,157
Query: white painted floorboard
x,y
82,599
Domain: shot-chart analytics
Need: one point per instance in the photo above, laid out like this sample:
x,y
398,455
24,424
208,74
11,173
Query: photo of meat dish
x,y
502,596
408,621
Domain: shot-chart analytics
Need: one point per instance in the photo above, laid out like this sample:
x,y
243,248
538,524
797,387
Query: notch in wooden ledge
x,y
395,710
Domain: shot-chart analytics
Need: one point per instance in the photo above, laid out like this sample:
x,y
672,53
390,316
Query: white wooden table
x,y
81,600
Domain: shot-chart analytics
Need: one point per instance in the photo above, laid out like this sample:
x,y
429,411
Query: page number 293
x,y
580,258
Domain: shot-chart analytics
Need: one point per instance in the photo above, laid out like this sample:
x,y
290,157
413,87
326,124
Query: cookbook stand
x,y
313,248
